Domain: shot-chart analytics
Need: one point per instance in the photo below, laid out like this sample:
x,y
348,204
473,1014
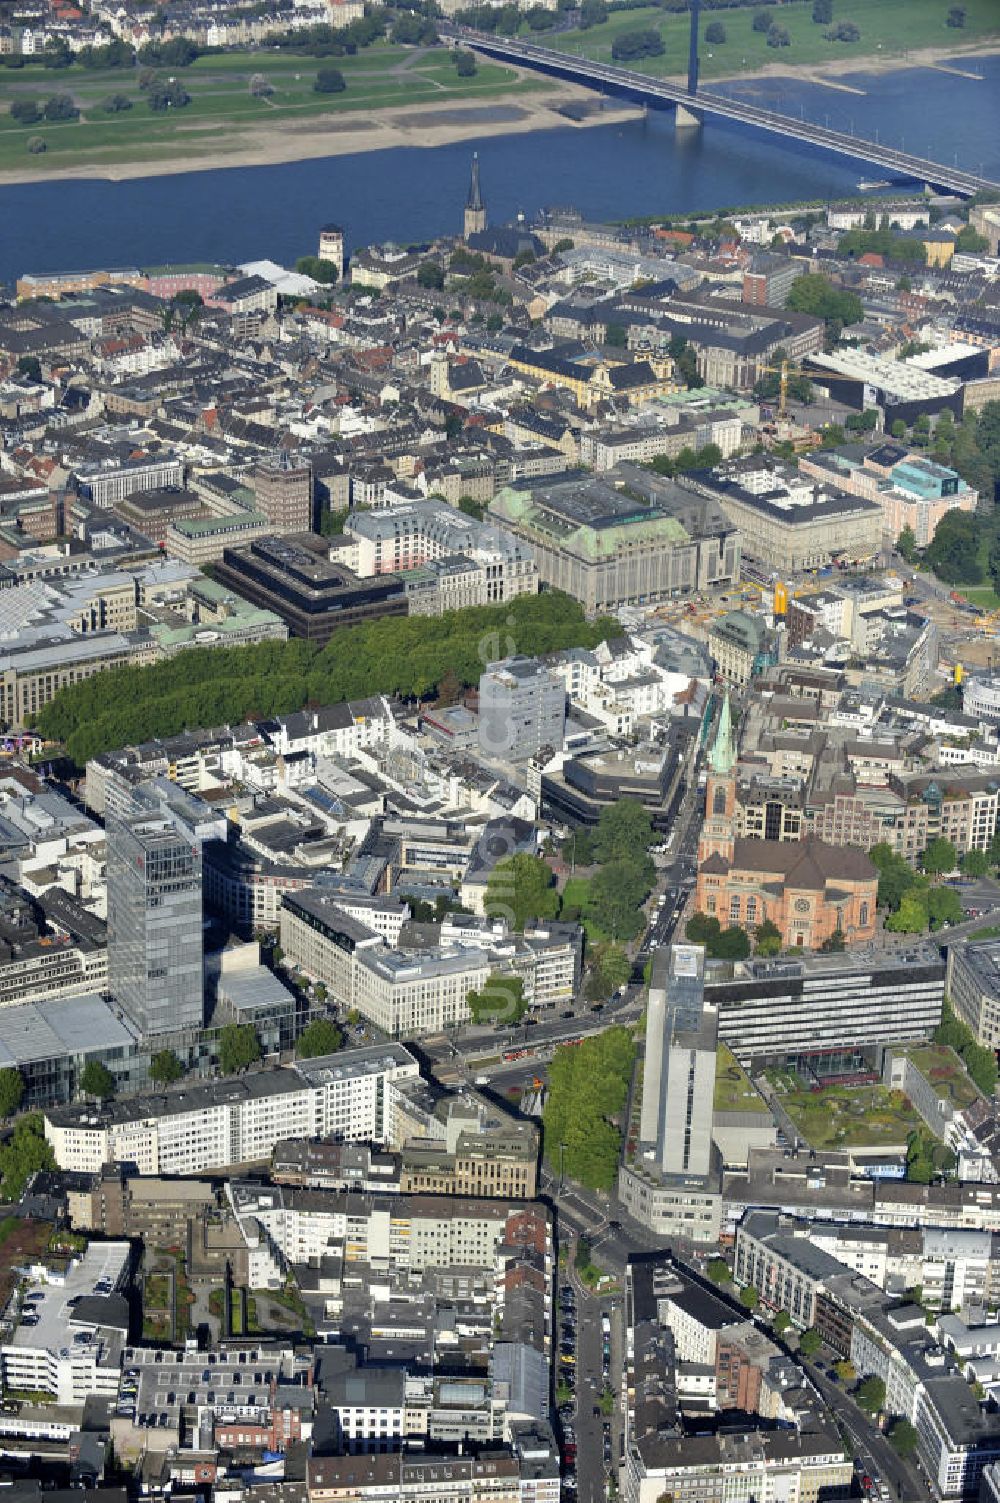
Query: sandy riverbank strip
x,y
421,125
877,62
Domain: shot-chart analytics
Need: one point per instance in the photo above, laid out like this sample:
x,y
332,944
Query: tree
x,y
816,294
778,36
844,31
26,111
36,144
11,1091
430,274
767,940
822,12
715,33
60,107
733,944
906,543
260,86
616,895
943,907
317,1038
624,831
630,45
895,875
404,656
165,1067
588,1091
834,943
845,1371
761,20
593,13
903,1438
239,1048
329,81
975,864
970,240
56,54
168,96
465,63
612,969
781,1322
616,336
519,888
116,104
30,367
981,1064
911,917
810,1342
702,929
956,17
97,1080
749,1297
24,1153
718,1270
318,268
871,1395
939,857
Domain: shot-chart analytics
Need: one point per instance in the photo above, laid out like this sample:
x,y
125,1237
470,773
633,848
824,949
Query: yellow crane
x,y
783,371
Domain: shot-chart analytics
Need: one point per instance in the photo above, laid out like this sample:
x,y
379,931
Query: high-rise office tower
x,y
678,1091
155,960
522,707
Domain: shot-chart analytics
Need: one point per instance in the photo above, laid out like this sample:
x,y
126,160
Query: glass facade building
x,y
155,961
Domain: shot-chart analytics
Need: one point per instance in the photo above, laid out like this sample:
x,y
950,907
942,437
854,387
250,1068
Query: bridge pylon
x,y
693,49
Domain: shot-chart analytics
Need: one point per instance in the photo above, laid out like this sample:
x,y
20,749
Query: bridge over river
x,y
646,90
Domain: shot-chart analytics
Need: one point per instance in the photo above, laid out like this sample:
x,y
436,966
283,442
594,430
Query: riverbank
x,y
961,60
422,125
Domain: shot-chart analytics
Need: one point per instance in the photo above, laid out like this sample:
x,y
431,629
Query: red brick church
x,y
808,889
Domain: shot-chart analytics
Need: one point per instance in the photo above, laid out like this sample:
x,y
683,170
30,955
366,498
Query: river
x,y
608,172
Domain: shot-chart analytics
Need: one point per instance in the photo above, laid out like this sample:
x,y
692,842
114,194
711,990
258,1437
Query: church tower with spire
x,y
718,833
475,209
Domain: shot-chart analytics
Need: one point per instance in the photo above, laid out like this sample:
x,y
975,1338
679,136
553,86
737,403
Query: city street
x,y
870,1446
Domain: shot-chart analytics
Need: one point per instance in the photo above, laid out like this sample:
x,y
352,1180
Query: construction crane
x,y
782,371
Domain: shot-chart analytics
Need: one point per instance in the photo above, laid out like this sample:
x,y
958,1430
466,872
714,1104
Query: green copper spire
x,y
722,757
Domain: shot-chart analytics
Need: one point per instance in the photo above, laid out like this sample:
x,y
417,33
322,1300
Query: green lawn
x,y
379,77
888,28
733,1091
943,1069
574,896
984,596
846,1116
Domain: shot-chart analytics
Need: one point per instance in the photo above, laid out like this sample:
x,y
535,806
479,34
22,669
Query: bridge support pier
x,y
685,118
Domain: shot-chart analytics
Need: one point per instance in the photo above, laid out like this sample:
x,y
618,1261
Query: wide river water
x,y
638,167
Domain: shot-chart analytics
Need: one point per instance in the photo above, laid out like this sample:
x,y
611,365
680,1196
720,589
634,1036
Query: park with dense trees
x,y
404,656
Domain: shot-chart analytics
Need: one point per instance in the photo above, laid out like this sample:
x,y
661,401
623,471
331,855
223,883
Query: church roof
x,y
807,865
715,865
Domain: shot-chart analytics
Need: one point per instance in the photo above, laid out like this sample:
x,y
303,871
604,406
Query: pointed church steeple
x,y
475,209
722,757
718,830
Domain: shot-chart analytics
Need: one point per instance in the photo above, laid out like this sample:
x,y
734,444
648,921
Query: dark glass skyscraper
x,y
155,962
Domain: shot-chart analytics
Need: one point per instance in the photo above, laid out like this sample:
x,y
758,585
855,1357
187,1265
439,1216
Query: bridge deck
x,y
656,91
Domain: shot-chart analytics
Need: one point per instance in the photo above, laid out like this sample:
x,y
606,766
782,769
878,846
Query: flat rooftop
x,y
86,1283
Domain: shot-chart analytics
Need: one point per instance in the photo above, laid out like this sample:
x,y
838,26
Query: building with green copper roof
x,y
623,538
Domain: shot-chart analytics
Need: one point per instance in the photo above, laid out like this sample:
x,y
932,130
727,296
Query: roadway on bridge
x,y
640,86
